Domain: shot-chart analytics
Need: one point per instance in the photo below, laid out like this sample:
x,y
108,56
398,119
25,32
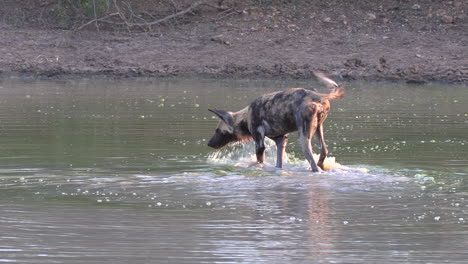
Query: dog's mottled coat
x,y
275,115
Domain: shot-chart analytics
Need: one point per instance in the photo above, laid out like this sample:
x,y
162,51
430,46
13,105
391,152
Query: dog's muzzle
x,y
220,140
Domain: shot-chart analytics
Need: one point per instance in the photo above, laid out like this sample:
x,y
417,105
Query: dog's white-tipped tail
x,y
337,91
325,80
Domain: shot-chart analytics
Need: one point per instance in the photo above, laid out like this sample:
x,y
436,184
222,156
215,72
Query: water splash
x,y
243,155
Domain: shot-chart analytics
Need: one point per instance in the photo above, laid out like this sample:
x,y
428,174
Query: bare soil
x,y
413,41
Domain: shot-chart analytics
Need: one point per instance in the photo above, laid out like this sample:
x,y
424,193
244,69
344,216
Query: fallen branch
x,y
126,22
101,19
182,12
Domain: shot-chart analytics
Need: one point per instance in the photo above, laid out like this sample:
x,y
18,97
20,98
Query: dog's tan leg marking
x,y
281,143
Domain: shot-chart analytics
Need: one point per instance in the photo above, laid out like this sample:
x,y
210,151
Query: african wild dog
x,y
274,115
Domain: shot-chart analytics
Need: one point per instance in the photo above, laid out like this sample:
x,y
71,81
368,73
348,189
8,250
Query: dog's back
x,y
279,113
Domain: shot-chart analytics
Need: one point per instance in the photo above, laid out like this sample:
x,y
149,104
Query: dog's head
x,y
225,132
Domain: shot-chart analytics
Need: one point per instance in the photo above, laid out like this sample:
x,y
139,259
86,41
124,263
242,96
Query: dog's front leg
x,y
259,139
281,143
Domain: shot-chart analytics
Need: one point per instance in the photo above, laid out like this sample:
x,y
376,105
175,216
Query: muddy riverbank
x,y
409,41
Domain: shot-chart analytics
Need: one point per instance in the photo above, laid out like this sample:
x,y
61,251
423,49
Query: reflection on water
x,y
119,172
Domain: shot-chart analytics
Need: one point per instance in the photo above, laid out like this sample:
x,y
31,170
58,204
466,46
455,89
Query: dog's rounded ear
x,y
224,115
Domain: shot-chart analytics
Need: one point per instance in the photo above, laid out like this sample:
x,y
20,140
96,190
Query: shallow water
x,y
103,171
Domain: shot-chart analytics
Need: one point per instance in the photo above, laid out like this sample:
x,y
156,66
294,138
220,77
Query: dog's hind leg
x,y
306,132
281,143
323,146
